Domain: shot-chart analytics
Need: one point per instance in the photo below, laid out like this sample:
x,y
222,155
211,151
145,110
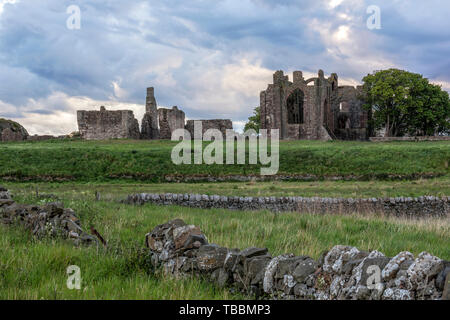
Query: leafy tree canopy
x,y
406,103
254,121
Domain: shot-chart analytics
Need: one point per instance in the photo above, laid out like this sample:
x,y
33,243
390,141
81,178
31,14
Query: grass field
x,y
150,161
35,269
347,189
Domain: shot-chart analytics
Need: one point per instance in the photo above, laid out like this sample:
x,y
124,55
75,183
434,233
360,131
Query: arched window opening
x,y
343,122
295,107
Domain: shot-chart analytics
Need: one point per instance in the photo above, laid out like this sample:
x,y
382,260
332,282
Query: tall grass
x,y
36,269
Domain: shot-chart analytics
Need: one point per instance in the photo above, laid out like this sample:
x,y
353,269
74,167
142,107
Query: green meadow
x,y
73,171
36,269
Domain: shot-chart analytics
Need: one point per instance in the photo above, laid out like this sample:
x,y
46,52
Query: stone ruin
x,y
107,124
220,124
314,109
150,120
169,121
156,123
342,273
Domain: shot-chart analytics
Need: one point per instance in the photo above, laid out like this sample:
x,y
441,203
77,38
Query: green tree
x,y
254,121
406,103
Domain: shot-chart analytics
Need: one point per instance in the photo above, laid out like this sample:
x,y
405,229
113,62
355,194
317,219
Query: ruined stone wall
x,y
343,272
276,109
170,120
103,124
149,125
322,116
427,206
220,124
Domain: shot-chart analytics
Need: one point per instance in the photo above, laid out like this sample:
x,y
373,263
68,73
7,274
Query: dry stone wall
x,y
426,206
418,138
51,219
296,177
344,272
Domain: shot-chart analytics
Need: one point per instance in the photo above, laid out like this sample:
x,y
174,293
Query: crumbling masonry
x,y
169,121
107,124
150,120
219,124
314,109
156,123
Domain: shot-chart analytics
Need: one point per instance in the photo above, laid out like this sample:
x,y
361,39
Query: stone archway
x,y
295,106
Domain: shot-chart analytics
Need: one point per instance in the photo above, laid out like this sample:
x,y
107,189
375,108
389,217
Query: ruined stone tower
x,y
150,120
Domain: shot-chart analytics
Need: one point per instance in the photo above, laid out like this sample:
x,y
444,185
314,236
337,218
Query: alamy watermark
x,y
374,20
214,152
374,279
73,22
74,277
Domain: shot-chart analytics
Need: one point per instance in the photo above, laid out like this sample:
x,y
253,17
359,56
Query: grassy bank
x,y
151,160
33,269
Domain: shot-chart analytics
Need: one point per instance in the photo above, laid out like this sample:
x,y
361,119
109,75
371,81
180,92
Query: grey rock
x,y
210,257
446,291
269,281
424,268
232,259
440,279
252,252
394,265
304,269
303,291
223,278
255,268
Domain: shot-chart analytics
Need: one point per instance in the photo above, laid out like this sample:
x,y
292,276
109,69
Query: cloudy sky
x,y
209,57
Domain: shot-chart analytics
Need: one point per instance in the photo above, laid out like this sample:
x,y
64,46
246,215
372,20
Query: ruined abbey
x,y
157,123
314,109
